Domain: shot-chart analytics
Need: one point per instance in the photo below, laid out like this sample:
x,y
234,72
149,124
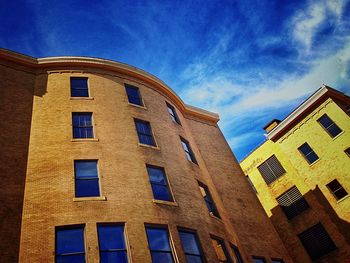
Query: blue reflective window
x,y
173,113
86,178
329,125
308,153
79,87
159,245
134,96
70,245
112,243
188,151
208,200
159,183
82,125
190,245
144,132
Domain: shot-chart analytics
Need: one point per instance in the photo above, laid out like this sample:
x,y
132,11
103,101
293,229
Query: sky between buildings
x,y
249,60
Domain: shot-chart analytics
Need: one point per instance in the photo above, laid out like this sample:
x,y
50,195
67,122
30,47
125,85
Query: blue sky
x,y
250,61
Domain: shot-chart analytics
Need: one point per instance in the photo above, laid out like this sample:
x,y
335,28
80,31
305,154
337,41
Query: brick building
x,y
301,174
102,161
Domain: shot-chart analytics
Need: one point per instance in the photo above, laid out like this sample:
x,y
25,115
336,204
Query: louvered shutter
x,y
271,169
292,202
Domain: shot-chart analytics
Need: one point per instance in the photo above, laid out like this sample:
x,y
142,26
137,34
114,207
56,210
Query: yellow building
x,y
301,175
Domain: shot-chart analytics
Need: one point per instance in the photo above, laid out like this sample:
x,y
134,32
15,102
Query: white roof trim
x,y
297,112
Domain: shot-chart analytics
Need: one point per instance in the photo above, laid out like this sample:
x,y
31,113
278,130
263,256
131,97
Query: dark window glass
x,y
251,184
188,151
79,87
112,243
237,254
308,153
70,245
337,189
220,250
173,113
82,125
347,151
159,244
274,260
159,183
208,200
144,132
329,125
292,202
258,260
134,96
86,178
191,247
316,241
271,169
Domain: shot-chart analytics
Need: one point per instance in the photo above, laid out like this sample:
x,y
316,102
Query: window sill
x,y
340,134
215,217
95,198
85,140
315,162
162,202
342,199
149,146
137,106
81,98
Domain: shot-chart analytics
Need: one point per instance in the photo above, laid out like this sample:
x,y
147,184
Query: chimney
x,y
272,124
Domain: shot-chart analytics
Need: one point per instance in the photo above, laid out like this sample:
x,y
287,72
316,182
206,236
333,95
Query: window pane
x,y
144,132
159,257
312,157
111,237
156,175
133,95
85,169
325,121
259,260
79,87
189,243
71,259
334,130
161,192
305,149
158,239
70,240
114,256
340,193
87,187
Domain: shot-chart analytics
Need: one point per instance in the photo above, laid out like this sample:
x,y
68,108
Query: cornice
x,y
109,65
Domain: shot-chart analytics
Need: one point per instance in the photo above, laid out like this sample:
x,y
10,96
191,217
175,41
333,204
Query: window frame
x,y
297,206
259,258
306,155
198,243
211,202
130,97
270,167
83,127
347,151
237,253
87,87
173,113
169,238
151,135
277,260
167,184
126,250
188,151
77,226
94,178
224,248
328,127
338,189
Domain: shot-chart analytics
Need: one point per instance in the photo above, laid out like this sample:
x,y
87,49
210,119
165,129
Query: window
x,y
86,178
159,183
191,247
208,200
337,190
220,250
237,254
159,244
292,202
329,125
79,87
173,113
277,260
271,169
189,153
70,244
308,153
144,132
347,151
316,241
82,125
258,260
251,184
134,96
111,242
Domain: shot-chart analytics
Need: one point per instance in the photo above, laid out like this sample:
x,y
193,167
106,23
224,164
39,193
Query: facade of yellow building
x,y
301,175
